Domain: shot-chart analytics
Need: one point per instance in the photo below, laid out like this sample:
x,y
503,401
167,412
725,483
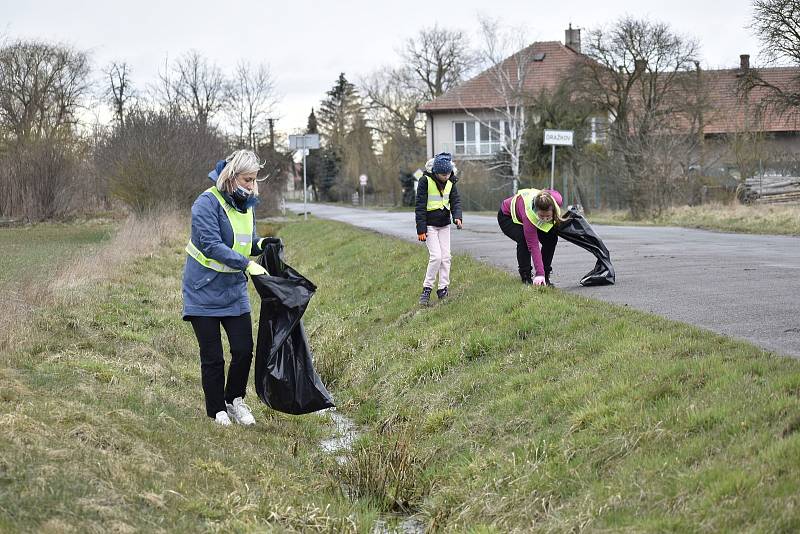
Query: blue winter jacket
x,y
207,292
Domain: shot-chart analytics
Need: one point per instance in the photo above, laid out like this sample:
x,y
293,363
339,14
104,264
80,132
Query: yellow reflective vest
x,y
436,200
242,224
527,197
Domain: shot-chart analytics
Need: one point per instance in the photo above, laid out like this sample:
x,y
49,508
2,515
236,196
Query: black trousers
x,y
548,241
212,362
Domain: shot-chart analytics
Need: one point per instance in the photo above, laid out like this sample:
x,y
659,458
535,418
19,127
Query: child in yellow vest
x,y
437,203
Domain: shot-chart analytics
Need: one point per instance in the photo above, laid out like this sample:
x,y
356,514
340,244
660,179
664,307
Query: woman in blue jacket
x,y
215,286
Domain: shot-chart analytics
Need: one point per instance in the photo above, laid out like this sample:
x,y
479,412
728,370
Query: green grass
x,y
506,408
33,251
102,425
541,410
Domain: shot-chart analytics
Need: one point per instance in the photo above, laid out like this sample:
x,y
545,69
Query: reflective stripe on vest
x,y
528,195
436,200
242,224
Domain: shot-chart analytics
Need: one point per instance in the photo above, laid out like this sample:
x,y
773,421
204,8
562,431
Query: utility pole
x,y
271,133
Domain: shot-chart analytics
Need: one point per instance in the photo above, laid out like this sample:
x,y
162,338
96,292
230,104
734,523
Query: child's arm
x,y
421,210
455,205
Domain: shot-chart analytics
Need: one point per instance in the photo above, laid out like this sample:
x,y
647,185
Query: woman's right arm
x,y
531,237
207,237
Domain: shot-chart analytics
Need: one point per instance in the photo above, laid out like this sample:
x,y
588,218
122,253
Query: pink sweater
x,y
528,229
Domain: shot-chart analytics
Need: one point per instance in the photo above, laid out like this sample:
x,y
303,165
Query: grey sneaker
x,y
442,293
240,412
425,297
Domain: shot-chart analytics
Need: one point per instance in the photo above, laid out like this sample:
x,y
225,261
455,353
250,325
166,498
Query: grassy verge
x,y
520,409
757,219
102,425
504,409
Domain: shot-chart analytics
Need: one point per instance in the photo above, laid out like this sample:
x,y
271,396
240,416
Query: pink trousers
x,y
438,242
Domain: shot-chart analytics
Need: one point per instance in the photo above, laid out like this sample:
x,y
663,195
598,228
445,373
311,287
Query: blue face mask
x,y
240,194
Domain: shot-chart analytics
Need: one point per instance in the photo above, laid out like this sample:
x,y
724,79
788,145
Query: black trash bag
x,y
577,231
285,377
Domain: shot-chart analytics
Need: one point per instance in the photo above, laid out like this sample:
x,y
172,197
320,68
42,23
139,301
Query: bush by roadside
x,y
157,160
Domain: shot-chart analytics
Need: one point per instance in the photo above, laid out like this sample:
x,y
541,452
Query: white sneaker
x,y
240,412
222,419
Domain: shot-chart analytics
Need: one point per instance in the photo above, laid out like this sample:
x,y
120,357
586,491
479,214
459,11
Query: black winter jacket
x,y
440,217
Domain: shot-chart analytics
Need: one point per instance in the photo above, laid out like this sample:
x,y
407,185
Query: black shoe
x,y
442,293
425,297
526,275
547,281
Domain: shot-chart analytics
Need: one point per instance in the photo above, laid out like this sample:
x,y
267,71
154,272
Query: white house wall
x,y
440,131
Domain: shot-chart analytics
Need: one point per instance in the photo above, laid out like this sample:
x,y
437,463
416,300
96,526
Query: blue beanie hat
x,y
442,163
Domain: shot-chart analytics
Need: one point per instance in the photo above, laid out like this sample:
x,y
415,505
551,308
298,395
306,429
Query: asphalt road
x,y
738,285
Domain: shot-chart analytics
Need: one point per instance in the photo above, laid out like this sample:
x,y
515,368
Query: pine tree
x,y
336,119
338,110
313,159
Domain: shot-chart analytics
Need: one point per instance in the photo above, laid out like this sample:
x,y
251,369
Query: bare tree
x,y
433,61
119,92
646,80
777,25
193,87
439,59
392,102
253,98
509,68
42,86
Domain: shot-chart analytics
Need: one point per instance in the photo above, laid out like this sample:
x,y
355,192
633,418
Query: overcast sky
x,y
308,43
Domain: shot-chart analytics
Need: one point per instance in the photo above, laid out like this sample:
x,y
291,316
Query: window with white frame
x,y
475,138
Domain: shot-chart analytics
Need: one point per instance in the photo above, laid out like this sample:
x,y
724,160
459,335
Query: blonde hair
x,y
544,201
240,162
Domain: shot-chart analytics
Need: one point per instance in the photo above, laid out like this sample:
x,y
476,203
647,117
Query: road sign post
x,y
304,143
362,180
554,138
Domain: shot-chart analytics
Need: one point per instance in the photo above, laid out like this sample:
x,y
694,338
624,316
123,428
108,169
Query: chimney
x,y
572,39
744,62
639,65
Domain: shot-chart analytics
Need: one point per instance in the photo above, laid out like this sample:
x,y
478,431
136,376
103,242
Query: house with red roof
x,y
465,120
736,111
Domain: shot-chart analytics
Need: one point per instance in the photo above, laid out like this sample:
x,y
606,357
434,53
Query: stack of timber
x,y
770,190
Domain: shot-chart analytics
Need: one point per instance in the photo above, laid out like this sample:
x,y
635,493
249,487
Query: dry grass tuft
x,y
137,237
311,519
386,472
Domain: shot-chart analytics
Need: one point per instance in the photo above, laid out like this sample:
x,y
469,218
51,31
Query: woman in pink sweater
x,y
530,218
